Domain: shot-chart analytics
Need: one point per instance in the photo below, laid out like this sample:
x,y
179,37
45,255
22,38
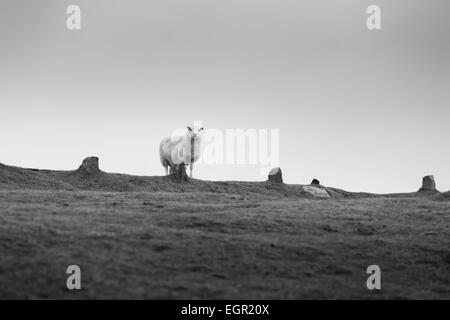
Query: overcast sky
x,y
357,109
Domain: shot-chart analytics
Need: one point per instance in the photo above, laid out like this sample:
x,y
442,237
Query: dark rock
x,y
90,166
275,175
428,184
315,181
328,228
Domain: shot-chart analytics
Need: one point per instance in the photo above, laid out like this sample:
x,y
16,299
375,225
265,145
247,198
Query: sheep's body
x,y
177,150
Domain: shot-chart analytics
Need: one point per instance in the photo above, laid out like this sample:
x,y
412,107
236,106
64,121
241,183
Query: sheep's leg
x,y
165,164
191,166
167,170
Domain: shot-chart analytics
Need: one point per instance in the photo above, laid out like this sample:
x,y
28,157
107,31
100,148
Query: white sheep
x,y
176,150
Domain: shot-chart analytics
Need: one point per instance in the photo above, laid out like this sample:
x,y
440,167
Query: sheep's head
x,y
194,134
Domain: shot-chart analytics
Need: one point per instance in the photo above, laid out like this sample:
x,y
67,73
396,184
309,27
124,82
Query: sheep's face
x,y
194,134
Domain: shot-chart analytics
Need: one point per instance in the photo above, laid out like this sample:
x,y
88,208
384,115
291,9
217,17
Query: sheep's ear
x,y
201,129
189,128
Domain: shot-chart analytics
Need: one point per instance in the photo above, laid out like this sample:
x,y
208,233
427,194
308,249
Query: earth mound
x,y
89,177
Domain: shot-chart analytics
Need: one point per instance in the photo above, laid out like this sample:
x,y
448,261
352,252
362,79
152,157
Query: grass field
x,y
225,244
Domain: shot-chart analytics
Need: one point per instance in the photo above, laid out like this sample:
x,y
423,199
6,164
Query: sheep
x,y
176,150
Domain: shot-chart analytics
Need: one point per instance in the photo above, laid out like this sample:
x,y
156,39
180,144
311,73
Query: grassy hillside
x,y
13,178
149,237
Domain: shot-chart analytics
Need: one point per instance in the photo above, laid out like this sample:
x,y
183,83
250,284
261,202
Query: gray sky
x,y
357,109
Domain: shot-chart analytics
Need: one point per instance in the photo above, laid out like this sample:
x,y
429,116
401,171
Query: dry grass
x,y
221,245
